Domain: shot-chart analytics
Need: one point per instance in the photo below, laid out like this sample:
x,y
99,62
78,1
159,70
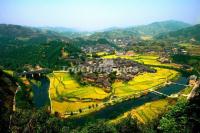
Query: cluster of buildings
x,y
128,53
179,51
98,48
102,72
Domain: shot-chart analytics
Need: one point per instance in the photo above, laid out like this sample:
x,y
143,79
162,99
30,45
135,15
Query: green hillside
x,y
135,32
15,34
188,34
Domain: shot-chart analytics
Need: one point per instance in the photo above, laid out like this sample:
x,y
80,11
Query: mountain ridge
x,y
137,31
190,33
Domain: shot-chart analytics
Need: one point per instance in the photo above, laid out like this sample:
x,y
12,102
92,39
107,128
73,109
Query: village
x,y
103,72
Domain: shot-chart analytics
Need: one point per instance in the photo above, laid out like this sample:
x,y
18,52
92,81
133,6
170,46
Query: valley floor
x,y
68,97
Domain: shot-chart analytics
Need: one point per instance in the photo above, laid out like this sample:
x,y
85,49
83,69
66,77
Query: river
x,y
114,111
41,96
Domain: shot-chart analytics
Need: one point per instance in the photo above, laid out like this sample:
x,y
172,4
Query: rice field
x,y
143,82
146,37
144,59
116,56
147,112
151,110
68,95
101,53
63,107
191,48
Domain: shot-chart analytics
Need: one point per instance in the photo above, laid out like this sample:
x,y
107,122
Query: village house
x,y
130,53
164,60
175,51
184,52
119,53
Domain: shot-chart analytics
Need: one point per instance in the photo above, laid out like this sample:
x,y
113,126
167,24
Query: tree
x,y
168,125
100,126
128,125
112,76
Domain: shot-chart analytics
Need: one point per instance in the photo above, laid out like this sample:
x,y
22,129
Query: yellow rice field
x,y
147,112
63,85
63,107
144,59
143,82
68,95
152,110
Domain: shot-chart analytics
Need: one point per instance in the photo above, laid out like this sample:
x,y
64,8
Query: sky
x,y
97,14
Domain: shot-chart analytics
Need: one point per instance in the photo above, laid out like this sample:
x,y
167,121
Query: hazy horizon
x,y
90,15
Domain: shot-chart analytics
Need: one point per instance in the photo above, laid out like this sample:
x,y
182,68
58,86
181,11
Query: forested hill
x,y
161,27
51,55
45,55
20,45
135,32
189,33
15,34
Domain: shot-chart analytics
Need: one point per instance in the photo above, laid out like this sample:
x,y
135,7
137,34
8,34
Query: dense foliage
x,y
18,35
183,117
188,60
7,91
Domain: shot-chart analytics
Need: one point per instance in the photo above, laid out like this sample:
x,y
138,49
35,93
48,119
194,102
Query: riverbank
x,y
113,111
150,111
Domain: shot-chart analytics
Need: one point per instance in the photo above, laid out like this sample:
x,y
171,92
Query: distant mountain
x,y
137,31
67,32
59,29
116,34
161,27
186,34
15,34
